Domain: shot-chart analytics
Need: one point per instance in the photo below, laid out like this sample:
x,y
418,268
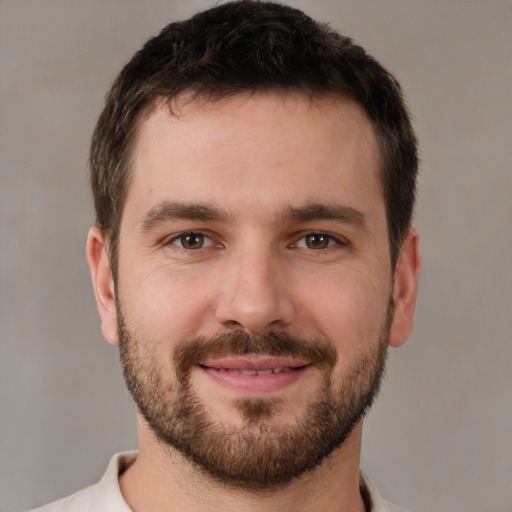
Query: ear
x,y
103,283
407,274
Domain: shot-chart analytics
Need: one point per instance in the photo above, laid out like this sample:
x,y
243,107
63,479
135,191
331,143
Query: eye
x,y
191,241
317,241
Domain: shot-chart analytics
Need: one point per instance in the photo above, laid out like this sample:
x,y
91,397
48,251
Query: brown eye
x,y
191,241
317,241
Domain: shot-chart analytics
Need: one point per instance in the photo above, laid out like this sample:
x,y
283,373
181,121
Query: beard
x,y
257,454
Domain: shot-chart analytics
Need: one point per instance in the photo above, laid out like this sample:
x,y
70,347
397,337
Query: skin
x,y
254,157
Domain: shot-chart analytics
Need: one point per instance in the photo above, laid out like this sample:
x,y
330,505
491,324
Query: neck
x,y
162,480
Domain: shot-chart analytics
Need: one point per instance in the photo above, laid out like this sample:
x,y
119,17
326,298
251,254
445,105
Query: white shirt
x,y
105,496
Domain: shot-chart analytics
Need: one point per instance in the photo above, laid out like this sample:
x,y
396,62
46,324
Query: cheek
x,y
352,315
165,304
349,309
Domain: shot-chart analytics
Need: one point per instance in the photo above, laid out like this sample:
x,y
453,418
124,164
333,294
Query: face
x,y
254,296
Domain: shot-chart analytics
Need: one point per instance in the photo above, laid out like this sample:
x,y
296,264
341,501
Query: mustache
x,y
239,343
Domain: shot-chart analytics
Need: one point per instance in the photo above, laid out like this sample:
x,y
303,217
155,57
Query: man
x,y
254,180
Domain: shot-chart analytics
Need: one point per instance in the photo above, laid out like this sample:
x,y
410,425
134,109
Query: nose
x,y
255,294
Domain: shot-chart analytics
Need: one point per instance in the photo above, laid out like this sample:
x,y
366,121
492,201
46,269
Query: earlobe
x,y
103,283
407,273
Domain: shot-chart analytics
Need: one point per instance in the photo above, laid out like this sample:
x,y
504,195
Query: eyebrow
x,y
328,211
167,211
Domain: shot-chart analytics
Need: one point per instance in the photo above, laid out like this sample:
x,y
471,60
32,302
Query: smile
x,y
237,371
255,375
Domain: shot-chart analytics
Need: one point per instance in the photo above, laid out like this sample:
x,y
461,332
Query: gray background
x,y
439,438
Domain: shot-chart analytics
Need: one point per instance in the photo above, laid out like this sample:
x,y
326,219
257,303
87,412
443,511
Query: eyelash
x,y
332,241
184,234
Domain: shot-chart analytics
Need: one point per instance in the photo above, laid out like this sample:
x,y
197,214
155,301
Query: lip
x,y
254,375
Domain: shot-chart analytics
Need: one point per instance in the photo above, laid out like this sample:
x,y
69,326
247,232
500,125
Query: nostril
x,y
232,324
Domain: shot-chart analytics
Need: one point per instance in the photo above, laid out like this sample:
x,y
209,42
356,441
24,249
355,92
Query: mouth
x,y
254,375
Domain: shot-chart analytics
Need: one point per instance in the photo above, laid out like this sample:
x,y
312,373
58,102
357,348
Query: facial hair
x,y
259,454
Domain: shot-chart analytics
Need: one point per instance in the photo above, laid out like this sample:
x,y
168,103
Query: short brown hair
x,y
246,46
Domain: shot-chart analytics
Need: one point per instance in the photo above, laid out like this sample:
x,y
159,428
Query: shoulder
x,y
373,498
389,507
82,501
105,496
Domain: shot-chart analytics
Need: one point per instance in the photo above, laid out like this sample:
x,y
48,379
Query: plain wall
x,y
439,438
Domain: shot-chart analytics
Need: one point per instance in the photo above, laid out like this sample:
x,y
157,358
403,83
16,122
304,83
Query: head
x,y
245,47
254,178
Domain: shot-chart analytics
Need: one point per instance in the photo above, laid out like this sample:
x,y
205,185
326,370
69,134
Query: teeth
x,y
270,371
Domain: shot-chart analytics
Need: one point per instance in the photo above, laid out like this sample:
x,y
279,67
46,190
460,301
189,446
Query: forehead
x,y
258,150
